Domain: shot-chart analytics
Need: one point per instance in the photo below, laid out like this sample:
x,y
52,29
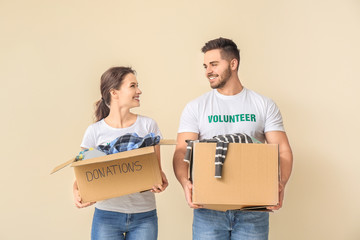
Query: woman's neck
x,y
120,118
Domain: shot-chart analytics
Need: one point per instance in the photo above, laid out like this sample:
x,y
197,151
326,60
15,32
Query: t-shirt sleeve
x,y
274,120
154,128
189,120
89,139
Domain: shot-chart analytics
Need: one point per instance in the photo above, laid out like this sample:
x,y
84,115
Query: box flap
x,y
120,155
61,166
131,153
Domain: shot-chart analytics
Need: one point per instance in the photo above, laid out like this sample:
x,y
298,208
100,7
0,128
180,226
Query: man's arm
x,y
286,160
181,168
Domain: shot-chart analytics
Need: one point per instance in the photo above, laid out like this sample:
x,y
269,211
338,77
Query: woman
x,y
131,216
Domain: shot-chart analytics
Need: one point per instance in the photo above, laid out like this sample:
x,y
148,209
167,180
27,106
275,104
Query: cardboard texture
x,y
117,174
250,176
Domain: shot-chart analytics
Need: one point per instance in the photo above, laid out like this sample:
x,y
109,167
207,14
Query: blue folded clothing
x,y
128,142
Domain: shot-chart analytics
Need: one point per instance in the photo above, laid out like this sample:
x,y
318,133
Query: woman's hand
x,y
161,187
77,197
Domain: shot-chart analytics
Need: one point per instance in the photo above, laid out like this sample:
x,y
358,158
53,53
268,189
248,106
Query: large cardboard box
x,y
116,174
249,180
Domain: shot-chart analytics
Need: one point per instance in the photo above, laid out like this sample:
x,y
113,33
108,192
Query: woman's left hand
x,y
161,187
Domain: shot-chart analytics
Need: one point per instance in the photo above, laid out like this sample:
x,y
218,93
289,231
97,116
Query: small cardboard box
x,y
250,176
116,174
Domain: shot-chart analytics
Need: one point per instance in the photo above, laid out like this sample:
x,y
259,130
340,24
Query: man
x,y
229,97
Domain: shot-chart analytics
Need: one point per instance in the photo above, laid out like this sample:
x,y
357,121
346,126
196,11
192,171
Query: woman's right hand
x,y
77,197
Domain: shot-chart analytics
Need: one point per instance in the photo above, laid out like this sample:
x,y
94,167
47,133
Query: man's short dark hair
x,y
228,48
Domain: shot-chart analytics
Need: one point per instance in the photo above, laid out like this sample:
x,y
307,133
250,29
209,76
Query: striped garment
x,y
222,142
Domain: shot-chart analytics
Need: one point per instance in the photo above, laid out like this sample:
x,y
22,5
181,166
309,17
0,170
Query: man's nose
x,y
208,70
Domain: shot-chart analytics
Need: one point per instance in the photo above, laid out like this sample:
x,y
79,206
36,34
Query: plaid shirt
x,y
128,142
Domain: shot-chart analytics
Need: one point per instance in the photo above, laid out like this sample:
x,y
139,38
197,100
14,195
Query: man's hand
x,y
188,194
286,161
281,198
181,168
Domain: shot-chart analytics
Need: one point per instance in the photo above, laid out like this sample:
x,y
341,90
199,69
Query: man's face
x,y
217,69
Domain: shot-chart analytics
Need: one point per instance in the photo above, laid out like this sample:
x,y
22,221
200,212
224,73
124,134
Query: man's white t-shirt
x,y
101,133
215,114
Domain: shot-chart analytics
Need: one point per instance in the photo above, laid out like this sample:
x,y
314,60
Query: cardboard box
x,y
116,174
250,176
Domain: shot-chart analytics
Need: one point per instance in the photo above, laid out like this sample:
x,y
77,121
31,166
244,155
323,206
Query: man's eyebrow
x,y
211,63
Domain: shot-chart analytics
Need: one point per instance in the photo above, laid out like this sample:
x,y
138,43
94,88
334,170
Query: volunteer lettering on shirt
x,y
232,118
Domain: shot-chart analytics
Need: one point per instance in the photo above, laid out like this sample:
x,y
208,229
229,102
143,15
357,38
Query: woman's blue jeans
x,y
230,225
109,225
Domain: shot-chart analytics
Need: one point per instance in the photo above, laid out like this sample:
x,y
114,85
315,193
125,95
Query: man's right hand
x,y
188,194
181,168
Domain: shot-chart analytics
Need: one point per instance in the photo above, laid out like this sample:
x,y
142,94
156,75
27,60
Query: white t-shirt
x,y
101,133
246,112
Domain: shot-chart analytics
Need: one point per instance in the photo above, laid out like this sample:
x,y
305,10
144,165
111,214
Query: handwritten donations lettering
x,y
123,168
232,118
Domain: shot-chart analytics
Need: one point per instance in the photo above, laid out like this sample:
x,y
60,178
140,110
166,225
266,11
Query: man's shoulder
x,y
202,98
255,95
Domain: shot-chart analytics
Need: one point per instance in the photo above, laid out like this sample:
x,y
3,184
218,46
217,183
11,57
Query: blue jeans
x,y
233,224
109,225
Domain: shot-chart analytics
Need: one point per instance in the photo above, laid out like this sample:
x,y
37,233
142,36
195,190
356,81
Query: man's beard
x,y
224,79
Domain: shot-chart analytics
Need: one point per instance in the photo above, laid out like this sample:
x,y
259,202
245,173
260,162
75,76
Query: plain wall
x,y
302,54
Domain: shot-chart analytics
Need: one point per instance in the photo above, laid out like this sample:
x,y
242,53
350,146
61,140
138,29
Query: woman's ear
x,y
114,93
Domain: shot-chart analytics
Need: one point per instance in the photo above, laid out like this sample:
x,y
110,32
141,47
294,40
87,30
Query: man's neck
x,y
232,87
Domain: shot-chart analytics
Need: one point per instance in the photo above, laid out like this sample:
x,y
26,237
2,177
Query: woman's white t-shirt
x,y
101,133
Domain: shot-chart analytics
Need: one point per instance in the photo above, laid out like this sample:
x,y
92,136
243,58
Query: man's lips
x,y
212,77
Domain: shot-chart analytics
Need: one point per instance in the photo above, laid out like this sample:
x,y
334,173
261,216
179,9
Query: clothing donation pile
x,y
123,143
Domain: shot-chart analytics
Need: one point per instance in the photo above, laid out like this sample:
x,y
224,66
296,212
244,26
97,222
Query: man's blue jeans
x,y
230,225
109,225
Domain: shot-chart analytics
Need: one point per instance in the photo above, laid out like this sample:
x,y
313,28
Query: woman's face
x,y
128,95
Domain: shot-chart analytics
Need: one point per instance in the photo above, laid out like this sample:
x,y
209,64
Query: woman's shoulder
x,y
145,118
146,125
147,121
96,126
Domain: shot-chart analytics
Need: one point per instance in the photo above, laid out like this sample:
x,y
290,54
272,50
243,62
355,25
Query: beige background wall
x,y
302,54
